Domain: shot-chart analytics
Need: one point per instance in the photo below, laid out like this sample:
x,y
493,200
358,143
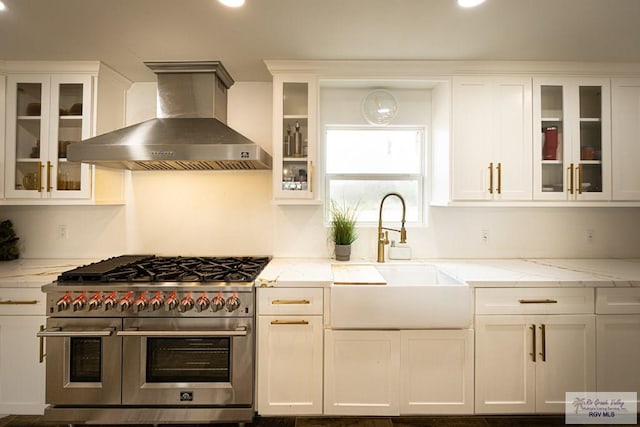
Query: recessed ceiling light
x,y
469,3
232,3
2,6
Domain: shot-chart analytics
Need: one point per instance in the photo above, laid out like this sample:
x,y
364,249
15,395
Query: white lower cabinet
x,y
618,340
526,363
436,372
361,372
398,372
289,371
22,375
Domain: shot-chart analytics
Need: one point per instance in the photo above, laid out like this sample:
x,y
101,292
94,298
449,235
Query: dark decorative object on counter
x,y
8,241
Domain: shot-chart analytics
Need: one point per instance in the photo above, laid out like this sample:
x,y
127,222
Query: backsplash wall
x,y
231,213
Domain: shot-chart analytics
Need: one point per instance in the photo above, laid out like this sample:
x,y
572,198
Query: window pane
x,y
357,151
368,194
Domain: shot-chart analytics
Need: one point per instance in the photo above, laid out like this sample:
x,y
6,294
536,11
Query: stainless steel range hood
x,y
190,132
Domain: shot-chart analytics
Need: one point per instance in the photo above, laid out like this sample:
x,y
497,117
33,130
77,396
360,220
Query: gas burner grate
x,y
152,269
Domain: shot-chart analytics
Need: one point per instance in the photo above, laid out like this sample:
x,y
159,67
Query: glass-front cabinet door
x,y
572,142
295,107
44,115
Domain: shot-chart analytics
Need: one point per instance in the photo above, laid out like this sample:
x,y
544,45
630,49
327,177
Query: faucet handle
x,y
386,238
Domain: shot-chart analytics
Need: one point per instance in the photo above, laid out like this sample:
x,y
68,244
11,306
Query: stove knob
x,y
79,303
125,303
63,303
110,302
95,302
186,304
171,303
233,303
156,303
202,303
140,304
217,303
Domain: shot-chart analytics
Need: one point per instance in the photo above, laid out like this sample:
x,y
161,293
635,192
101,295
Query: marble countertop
x,y
475,272
33,273
317,272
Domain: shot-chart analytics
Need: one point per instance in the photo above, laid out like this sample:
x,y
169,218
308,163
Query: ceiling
x,y
125,33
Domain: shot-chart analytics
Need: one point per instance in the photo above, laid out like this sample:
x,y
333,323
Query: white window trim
x,y
419,177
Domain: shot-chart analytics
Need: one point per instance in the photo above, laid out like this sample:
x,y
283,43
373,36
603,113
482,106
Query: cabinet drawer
x,y
22,301
618,301
290,300
534,301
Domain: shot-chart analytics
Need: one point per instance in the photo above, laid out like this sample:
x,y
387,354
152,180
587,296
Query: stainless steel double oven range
x,y
142,339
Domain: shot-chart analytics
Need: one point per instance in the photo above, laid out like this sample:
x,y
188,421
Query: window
x,y
363,164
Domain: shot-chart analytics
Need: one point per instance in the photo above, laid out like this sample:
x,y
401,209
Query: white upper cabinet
x,y
491,138
46,113
49,107
572,139
625,139
295,99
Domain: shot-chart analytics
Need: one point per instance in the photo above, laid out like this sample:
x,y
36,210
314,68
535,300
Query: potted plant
x,y
343,229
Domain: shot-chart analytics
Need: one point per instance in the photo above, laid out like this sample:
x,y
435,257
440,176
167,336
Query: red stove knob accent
x,y
126,301
233,303
217,302
110,302
186,304
96,301
63,303
80,302
202,303
171,302
141,302
156,302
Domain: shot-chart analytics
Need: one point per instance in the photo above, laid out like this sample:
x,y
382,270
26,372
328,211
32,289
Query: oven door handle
x,y
242,331
59,333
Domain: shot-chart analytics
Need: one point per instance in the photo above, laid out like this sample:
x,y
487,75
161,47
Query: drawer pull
x,y
537,301
289,322
290,301
12,302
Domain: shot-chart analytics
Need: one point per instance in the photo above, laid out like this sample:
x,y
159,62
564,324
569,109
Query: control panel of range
x,y
158,303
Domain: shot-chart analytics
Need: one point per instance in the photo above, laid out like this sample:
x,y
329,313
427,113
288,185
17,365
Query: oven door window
x,y
193,360
86,360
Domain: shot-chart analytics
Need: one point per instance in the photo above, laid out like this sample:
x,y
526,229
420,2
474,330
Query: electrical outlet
x,y
588,236
63,231
485,236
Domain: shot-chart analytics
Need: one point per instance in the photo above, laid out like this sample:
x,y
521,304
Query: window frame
x,y
419,177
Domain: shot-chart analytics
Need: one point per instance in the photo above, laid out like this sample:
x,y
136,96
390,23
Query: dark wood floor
x,y
444,421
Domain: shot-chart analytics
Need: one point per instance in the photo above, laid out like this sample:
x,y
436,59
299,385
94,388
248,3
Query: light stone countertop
x,y
33,273
475,272
317,272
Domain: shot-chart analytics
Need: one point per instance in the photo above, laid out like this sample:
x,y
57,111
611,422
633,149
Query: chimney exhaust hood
x,y
190,132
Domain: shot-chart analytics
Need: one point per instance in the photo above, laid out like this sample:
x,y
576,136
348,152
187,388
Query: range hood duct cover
x,y
190,132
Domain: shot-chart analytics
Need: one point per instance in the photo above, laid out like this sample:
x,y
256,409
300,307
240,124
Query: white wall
x,y
230,213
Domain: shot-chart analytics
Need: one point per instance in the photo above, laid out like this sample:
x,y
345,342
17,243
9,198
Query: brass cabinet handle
x,y
533,342
49,167
544,342
41,354
491,178
12,302
570,169
289,322
310,177
499,167
579,184
290,301
40,166
538,301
